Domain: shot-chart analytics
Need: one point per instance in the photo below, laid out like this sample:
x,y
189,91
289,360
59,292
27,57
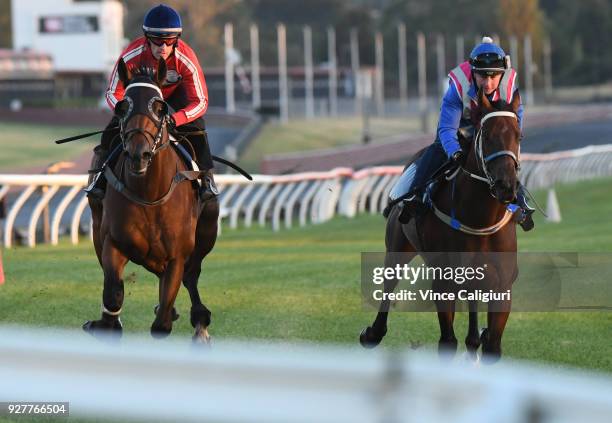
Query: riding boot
x,y
526,219
97,181
412,206
208,189
422,170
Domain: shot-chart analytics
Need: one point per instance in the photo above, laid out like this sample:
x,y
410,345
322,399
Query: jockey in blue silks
x,y
489,69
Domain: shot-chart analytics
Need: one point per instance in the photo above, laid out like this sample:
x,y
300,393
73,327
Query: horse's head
x,y
496,146
143,114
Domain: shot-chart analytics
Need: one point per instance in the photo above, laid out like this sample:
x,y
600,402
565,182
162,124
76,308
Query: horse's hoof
x,y
101,325
368,339
200,315
491,357
175,315
201,336
159,332
447,349
104,330
472,344
484,336
471,357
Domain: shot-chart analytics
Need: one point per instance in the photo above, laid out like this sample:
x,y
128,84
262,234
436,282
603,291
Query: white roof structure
x,y
79,36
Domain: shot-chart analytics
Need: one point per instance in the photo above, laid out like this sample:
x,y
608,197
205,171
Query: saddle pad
x,y
182,152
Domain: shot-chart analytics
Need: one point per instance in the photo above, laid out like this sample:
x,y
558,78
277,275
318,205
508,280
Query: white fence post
x,y
255,81
283,89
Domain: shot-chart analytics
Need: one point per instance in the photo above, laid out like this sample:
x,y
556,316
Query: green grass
x,y
25,146
304,285
321,133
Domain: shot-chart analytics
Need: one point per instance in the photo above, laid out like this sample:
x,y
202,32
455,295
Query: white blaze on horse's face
x,y
138,148
143,129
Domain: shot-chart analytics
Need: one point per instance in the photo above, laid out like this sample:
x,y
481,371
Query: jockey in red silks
x,y
489,69
184,90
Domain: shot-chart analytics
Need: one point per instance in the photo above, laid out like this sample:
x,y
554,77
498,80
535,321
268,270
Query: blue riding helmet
x,y
162,22
488,58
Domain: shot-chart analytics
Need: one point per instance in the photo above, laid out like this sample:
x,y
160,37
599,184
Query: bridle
x,y
153,140
482,160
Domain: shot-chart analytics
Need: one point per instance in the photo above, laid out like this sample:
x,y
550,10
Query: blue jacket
x,y
451,117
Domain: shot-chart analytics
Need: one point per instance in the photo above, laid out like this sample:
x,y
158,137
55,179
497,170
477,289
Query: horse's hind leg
x,y
113,263
396,244
206,236
96,216
492,335
472,340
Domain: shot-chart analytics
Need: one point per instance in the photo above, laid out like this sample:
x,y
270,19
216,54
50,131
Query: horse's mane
x,y
142,73
502,106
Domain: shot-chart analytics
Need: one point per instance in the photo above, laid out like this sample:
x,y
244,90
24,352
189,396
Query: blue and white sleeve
x,y
450,118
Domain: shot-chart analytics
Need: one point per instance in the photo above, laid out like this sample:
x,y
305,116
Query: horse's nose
x,y
505,190
146,156
504,184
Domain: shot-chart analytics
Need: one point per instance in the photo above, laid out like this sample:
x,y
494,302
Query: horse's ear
x,y
162,69
483,101
125,75
122,108
516,101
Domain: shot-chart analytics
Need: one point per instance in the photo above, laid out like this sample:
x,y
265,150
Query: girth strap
x,y
184,175
490,230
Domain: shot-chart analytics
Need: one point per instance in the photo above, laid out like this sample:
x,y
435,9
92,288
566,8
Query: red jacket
x,y
182,61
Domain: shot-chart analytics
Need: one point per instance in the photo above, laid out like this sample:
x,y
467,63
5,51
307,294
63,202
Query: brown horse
x,y
149,215
484,186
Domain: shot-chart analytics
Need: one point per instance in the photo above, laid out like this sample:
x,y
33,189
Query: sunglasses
x,y
170,42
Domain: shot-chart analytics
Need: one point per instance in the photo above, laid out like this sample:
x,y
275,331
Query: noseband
x,y
153,140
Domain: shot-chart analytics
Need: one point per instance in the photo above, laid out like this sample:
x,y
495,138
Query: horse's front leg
x,y
447,344
169,284
113,263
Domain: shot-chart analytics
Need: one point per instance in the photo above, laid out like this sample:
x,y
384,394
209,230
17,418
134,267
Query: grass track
x,y
32,145
303,285
320,133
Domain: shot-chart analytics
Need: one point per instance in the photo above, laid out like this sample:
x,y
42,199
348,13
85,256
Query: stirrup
x,y
208,190
526,221
411,207
95,193
93,190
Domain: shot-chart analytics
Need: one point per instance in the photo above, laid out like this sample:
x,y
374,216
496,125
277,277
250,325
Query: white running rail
x,y
313,197
147,380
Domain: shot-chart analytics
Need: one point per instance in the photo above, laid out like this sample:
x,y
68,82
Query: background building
x,y
83,38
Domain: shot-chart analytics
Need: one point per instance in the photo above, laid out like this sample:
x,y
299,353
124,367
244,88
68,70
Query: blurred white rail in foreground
x,y
144,379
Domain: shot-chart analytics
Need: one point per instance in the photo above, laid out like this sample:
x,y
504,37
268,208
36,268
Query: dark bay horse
x,y
150,214
479,200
